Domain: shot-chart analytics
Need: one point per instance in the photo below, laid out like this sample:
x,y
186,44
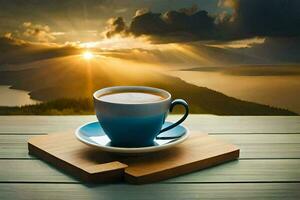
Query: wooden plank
x,y
261,138
248,151
14,146
41,124
265,151
64,151
248,171
265,145
252,145
205,123
279,170
245,191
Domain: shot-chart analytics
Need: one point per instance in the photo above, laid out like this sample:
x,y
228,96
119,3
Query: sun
x,y
87,55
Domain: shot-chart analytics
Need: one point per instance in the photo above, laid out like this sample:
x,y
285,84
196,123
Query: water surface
x,y
13,97
275,90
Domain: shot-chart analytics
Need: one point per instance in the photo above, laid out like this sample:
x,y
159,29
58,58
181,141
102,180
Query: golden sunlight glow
x,y
118,42
141,51
245,43
88,55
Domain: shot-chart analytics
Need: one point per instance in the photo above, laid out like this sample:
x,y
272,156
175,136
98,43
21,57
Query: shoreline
x,y
16,96
256,91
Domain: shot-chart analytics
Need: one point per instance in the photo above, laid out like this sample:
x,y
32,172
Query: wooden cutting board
x,y
89,164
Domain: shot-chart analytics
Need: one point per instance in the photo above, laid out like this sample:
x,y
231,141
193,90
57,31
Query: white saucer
x,y
92,134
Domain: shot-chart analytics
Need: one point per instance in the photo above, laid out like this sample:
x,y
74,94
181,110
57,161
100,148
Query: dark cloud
x,y
197,23
247,18
269,18
189,11
148,23
276,50
184,22
115,26
276,18
8,43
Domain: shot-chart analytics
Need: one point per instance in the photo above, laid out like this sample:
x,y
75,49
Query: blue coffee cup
x,y
138,124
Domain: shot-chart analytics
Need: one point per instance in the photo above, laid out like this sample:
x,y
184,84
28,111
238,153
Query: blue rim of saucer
x,y
92,134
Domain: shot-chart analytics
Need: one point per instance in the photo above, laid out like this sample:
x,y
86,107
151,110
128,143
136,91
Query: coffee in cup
x,y
133,97
132,116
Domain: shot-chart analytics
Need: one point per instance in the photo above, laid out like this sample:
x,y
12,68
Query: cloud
x,y
239,19
141,11
37,32
115,26
182,22
276,18
17,51
8,39
189,11
237,44
186,22
228,3
8,35
148,23
121,10
33,33
58,33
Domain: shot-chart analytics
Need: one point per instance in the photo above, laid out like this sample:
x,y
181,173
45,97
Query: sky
x,y
244,31
76,19
163,20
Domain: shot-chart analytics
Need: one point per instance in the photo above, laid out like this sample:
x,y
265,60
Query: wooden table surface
x,y
268,168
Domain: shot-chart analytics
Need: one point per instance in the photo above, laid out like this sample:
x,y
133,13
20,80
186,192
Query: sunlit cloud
x,y
58,33
8,35
121,10
38,32
141,11
233,4
236,44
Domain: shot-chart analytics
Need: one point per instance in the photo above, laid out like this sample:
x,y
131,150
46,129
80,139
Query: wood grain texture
x,y
260,146
277,170
244,191
258,137
64,151
198,152
204,123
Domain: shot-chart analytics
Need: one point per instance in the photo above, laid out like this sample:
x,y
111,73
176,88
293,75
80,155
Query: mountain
x,y
76,78
15,52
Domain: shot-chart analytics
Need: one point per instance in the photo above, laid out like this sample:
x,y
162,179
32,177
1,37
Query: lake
x,y
13,97
279,91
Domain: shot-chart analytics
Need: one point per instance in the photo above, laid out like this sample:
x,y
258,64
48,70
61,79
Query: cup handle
x,y
173,104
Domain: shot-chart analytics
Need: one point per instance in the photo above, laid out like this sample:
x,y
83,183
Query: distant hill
x,y
55,107
18,52
85,107
74,78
